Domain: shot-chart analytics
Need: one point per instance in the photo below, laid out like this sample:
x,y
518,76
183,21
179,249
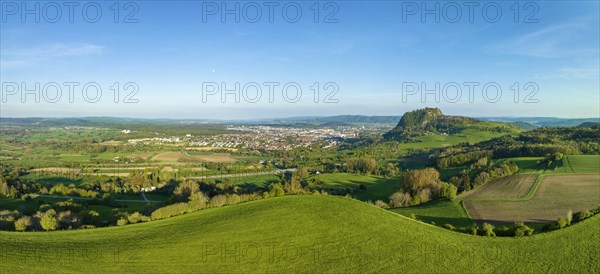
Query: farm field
x,y
175,156
555,195
514,186
330,234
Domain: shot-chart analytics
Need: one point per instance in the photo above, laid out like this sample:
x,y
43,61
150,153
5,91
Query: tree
x,y
184,190
361,165
302,173
293,186
448,191
276,191
23,223
418,180
68,219
90,217
391,169
49,221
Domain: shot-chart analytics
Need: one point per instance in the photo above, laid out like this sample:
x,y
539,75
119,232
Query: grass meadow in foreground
x,y
300,234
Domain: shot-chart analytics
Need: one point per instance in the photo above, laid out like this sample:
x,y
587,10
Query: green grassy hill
x,y
297,234
431,122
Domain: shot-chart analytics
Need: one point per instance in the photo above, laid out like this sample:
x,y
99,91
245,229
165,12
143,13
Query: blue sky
x,y
372,49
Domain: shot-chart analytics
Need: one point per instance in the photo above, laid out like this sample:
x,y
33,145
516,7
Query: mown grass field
x,y
440,212
555,195
33,204
310,234
584,163
378,187
569,164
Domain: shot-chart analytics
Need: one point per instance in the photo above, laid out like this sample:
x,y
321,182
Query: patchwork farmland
x,y
555,195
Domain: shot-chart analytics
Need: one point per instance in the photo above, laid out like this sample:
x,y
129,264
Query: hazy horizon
x,y
282,117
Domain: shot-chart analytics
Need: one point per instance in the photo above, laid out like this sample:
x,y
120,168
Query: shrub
x,y
233,199
249,197
172,210
137,217
45,207
415,201
381,204
196,205
504,231
473,230
584,215
400,199
561,222
547,227
90,217
522,229
219,200
449,226
488,230
569,217
67,205
199,197
121,222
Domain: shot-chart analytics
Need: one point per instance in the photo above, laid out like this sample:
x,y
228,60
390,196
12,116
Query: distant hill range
x,y
589,124
99,121
535,122
340,119
428,118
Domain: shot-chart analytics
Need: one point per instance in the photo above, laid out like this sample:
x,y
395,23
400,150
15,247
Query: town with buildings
x,y
262,137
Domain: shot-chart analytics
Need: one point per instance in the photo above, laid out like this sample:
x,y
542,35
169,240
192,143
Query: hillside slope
x,y
297,234
431,121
